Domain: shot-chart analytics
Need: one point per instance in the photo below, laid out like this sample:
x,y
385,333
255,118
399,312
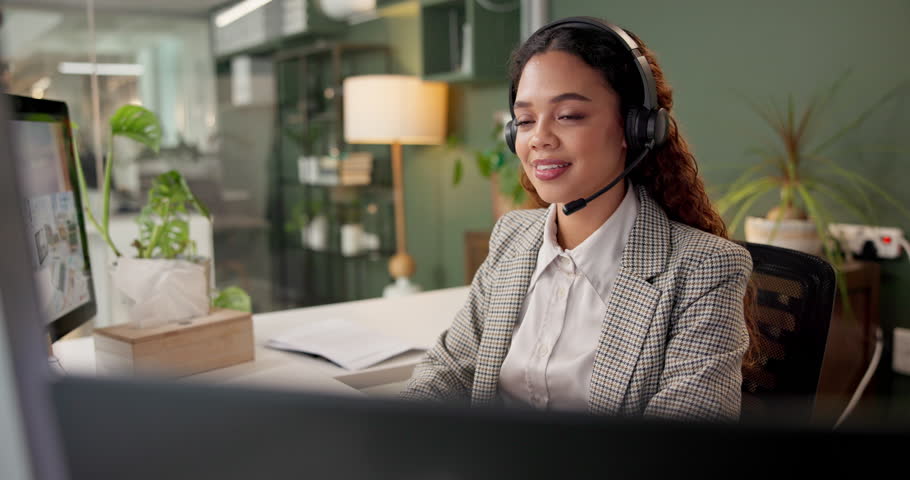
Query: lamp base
x,y
401,287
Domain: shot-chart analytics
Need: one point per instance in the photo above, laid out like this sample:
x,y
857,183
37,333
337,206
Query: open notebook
x,y
343,342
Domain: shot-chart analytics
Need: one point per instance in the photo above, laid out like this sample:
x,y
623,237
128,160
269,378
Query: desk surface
x,y
416,319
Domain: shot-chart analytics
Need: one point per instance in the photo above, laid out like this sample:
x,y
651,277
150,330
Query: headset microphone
x,y
576,205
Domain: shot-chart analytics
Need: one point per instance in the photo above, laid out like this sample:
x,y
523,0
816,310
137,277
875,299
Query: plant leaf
x,y
866,183
832,254
139,124
817,214
484,164
766,115
747,175
825,100
163,229
842,199
194,200
860,119
733,197
746,204
458,171
791,113
858,189
234,298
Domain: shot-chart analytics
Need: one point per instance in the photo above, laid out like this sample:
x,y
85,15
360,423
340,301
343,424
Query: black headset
x,y
645,126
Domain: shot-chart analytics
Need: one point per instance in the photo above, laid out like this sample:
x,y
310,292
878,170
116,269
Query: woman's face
x,y
570,131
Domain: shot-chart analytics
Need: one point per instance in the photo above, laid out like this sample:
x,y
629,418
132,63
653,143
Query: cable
x,y
905,245
497,8
873,365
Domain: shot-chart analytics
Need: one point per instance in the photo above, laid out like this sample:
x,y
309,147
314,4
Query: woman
x,y
632,305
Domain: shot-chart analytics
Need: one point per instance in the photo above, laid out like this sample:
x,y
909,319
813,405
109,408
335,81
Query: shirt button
x,y
542,351
560,292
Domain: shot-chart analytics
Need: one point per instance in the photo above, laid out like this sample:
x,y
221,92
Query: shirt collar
x,y
597,253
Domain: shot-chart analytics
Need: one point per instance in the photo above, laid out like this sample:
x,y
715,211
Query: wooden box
x,y
222,338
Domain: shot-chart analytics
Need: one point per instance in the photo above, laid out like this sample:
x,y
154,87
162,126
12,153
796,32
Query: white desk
x,y
417,319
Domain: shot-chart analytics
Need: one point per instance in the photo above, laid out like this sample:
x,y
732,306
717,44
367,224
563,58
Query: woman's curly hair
x,y
670,174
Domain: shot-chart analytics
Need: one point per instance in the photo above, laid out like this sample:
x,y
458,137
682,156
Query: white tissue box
x,y
222,338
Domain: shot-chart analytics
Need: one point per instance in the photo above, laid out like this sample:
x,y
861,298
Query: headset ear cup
x,y
637,128
509,133
659,126
644,126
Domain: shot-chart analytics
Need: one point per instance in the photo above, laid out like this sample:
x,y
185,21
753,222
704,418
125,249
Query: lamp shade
x,y
385,109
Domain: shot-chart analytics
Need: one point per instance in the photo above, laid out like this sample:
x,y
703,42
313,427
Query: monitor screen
x,y
53,213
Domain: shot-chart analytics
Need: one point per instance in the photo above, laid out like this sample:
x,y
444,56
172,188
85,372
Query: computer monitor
x,y
53,213
25,388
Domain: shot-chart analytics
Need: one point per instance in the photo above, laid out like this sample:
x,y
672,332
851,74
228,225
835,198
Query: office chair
x,y
795,299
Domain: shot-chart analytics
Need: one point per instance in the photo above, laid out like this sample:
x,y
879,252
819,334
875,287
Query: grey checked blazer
x,y
672,339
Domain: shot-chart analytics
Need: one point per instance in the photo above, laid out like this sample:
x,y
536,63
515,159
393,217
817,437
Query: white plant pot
x,y
148,293
351,239
799,235
317,233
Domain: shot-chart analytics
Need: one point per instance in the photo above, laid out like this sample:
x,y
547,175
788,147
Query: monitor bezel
x,y
21,108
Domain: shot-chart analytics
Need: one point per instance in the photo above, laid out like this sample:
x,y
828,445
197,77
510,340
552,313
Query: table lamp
x,y
395,110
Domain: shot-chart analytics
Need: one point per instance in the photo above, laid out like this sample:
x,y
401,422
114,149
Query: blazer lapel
x,y
507,293
631,307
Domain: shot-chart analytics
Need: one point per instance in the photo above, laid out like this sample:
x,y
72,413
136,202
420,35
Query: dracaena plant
x,y
798,167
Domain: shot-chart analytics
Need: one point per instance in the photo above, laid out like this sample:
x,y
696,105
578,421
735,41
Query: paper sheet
x,y
343,342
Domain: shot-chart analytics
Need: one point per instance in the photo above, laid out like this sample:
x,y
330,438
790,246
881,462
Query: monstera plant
x,y
165,280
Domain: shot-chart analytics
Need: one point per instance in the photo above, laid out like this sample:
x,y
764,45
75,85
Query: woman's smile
x,y
550,169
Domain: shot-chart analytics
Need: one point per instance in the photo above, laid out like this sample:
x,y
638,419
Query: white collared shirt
x,y
551,358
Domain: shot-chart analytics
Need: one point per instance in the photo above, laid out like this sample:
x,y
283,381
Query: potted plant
x,y
351,229
497,163
165,281
312,223
799,170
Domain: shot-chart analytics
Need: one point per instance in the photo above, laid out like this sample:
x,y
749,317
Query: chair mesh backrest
x,y
795,299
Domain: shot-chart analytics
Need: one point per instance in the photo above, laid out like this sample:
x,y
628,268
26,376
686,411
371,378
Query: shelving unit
x,y
309,122
465,42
